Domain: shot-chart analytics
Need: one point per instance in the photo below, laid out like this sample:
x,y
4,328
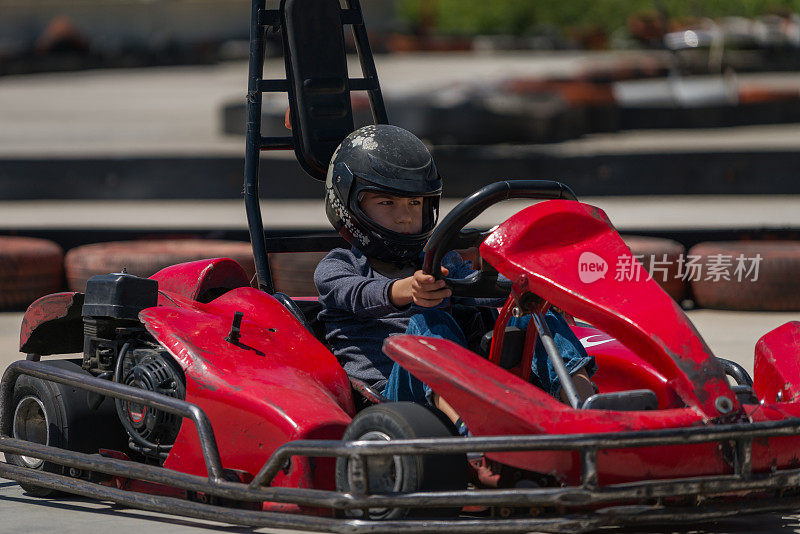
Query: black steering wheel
x,y
449,235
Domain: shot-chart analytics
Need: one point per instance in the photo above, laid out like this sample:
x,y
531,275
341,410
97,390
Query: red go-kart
x,y
199,395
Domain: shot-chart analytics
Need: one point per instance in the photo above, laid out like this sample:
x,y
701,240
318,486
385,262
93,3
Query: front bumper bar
x,y
783,485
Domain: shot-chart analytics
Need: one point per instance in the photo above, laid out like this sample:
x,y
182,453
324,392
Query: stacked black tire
x,y
762,275
29,268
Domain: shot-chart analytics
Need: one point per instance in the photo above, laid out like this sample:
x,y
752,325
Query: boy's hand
x,y
421,289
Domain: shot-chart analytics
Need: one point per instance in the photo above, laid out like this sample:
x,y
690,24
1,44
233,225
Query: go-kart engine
x,y
152,431
116,346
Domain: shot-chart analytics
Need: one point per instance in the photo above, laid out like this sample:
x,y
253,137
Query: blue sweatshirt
x,y
358,313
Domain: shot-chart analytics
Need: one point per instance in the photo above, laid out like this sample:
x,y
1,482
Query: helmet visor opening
x,y
429,212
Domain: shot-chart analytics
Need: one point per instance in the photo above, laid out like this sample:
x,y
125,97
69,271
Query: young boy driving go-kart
x,y
382,196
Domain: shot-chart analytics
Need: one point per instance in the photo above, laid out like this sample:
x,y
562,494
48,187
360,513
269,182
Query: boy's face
x,y
399,214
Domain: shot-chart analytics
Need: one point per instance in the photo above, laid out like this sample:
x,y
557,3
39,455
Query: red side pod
x,y
777,365
194,279
53,325
494,402
570,254
275,384
619,369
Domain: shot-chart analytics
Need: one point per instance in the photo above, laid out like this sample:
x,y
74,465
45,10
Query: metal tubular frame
x,y
117,391
588,493
253,144
260,20
555,358
370,80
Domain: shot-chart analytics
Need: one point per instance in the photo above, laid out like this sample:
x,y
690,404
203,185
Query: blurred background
x,y
122,146
122,129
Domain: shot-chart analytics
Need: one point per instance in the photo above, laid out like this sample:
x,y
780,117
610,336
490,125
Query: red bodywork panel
x,y
619,369
53,325
277,384
201,279
541,249
493,402
777,364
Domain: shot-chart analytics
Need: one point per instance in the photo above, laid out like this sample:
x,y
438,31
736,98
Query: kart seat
x,y
513,345
365,395
624,401
628,401
311,309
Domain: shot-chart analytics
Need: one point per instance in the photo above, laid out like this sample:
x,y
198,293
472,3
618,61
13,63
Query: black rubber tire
x,y
293,272
775,287
144,258
405,420
666,252
29,268
69,422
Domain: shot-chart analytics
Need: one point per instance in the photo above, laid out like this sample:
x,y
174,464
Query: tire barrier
x,y
746,275
661,259
144,258
594,100
457,116
293,272
29,268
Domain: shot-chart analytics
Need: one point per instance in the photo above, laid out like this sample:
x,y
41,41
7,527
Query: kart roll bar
x,y
318,89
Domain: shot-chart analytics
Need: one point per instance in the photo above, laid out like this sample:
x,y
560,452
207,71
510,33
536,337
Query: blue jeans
x,y
403,386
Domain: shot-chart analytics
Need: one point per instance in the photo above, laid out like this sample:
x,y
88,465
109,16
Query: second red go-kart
x,y
199,395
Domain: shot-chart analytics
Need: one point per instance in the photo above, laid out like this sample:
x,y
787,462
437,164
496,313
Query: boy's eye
x,y
385,202
415,202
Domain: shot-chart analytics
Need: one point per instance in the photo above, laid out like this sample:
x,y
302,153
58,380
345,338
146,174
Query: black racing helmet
x,y
386,159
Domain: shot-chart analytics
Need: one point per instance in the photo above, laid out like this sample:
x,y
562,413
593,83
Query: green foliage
x,y
469,17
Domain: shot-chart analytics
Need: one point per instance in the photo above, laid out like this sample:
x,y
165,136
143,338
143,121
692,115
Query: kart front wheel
x,y
393,474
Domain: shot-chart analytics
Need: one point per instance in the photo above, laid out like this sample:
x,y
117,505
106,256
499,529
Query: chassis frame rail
x,y
738,437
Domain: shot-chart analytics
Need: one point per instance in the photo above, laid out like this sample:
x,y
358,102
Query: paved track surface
x,y
176,110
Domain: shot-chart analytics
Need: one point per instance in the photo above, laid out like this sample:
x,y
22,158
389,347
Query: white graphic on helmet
x,y
365,138
333,158
344,215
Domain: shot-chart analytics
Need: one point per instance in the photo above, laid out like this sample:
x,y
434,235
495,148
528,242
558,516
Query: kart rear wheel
x,y
59,415
402,420
38,416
